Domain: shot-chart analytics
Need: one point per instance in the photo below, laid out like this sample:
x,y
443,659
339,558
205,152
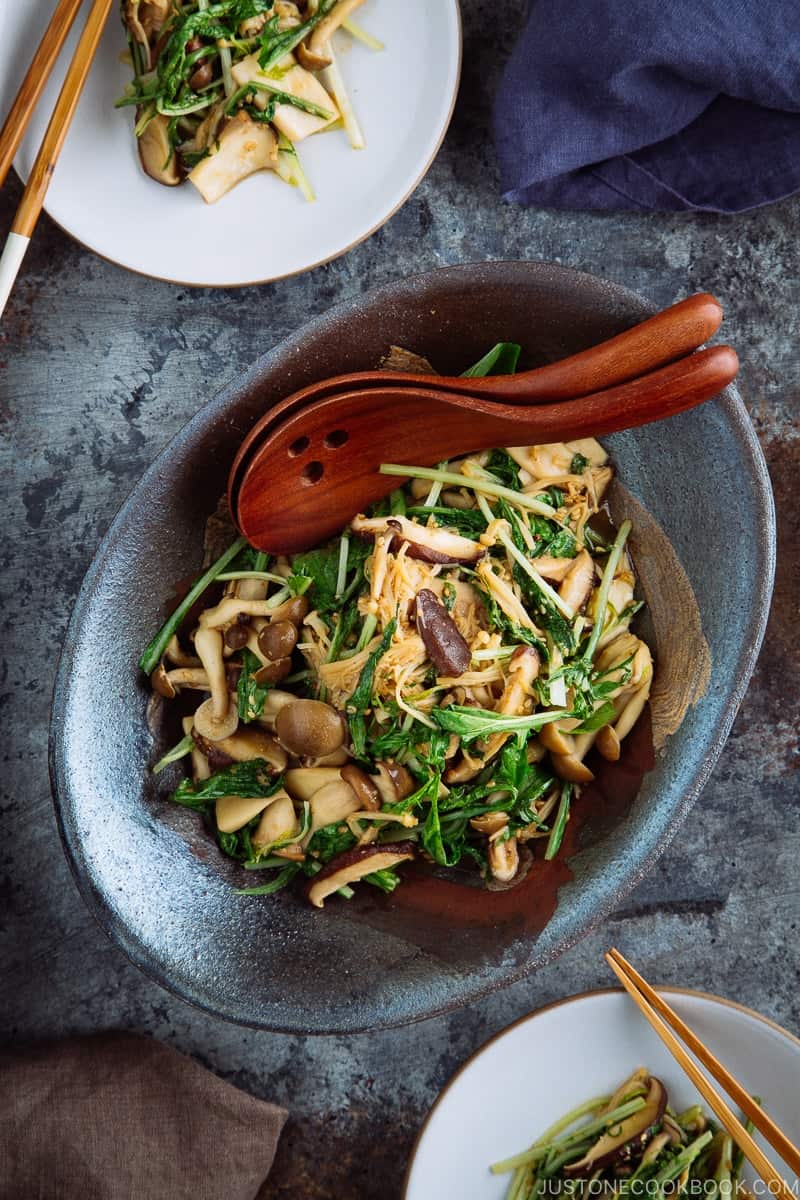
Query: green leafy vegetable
x,y
361,699
503,467
154,652
252,778
560,823
469,521
502,359
472,723
250,695
184,747
579,464
278,882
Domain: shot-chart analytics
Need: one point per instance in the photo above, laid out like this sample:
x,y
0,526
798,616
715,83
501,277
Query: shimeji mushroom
x,y
242,148
217,717
352,865
156,153
503,857
245,745
368,796
315,53
309,727
393,781
447,648
434,545
169,683
294,80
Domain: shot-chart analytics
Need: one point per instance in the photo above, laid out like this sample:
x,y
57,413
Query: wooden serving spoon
x,y
661,339
319,466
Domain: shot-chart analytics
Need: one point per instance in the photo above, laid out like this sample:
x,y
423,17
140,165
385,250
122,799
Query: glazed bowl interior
x,y
152,876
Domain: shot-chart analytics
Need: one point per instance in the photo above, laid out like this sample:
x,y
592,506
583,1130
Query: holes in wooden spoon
x,y
338,438
312,473
298,446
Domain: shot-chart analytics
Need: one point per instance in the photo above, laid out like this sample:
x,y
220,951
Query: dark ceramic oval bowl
x,y
159,887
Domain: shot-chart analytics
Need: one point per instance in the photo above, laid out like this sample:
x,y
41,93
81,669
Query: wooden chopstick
x,y
630,981
32,85
36,188
762,1121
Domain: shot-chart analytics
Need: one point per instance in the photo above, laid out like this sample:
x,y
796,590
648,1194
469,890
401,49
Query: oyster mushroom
x,y
630,1132
352,865
447,649
303,782
314,53
434,545
218,716
368,796
523,668
156,154
332,803
278,821
243,147
234,812
293,123
576,586
393,781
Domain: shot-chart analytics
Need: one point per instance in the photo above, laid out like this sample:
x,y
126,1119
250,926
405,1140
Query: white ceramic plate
x,y
262,230
524,1079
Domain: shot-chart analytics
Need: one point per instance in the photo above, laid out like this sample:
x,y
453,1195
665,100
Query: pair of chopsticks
x,y
650,1004
18,118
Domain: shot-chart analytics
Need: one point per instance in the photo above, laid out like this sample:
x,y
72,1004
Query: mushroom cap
x,y
156,154
434,545
212,729
352,865
310,727
612,1145
447,649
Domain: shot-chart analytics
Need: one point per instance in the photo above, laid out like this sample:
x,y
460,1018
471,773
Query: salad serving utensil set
x,y
314,460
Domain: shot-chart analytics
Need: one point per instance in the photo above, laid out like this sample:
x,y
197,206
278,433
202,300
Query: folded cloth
x,y
118,1117
652,104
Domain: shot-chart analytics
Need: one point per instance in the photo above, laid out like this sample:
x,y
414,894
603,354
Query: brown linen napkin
x,y
121,1117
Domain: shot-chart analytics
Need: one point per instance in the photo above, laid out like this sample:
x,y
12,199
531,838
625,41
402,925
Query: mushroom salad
x,y
225,88
632,1143
426,686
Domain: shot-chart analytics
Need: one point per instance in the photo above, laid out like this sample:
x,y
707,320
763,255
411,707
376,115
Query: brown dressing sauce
x,y
454,917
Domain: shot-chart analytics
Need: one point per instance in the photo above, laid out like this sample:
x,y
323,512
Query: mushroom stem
x,y
208,644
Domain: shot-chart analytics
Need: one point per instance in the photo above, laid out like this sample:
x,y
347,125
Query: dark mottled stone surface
x,y
99,368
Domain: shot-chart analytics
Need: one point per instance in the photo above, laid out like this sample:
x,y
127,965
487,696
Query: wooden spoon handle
x,y
662,339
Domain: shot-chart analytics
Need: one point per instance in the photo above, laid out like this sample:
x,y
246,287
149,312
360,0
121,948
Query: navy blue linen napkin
x,y
652,104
